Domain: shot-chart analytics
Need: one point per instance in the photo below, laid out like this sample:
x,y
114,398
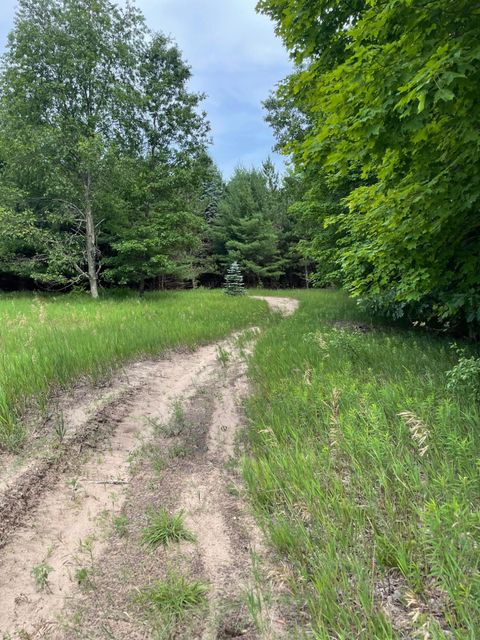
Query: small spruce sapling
x,y
234,281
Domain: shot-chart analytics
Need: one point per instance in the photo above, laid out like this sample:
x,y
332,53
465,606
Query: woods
x,y
379,118
102,147
106,178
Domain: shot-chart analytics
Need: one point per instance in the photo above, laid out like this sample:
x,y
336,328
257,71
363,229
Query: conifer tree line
x,y
105,177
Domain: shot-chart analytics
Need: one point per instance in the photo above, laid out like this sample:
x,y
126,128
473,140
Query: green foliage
x,y
389,91
159,225
464,377
170,600
40,573
120,525
364,473
97,144
234,281
83,577
245,230
64,120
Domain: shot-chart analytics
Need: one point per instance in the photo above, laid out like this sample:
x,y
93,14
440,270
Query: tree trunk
x,y
307,279
90,238
141,287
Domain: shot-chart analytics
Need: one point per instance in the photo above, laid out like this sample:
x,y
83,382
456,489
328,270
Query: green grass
x,y
169,601
40,573
163,529
361,500
49,341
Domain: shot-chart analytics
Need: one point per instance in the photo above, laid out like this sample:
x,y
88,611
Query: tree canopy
x,y
387,93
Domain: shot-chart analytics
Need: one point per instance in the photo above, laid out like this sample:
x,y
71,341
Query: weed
x,y
362,466
178,417
83,577
170,600
255,608
465,375
154,423
153,454
233,490
223,356
231,619
176,424
81,337
74,485
120,525
158,464
60,429
86,547
178,450
40,573
418,430
163,529
231,464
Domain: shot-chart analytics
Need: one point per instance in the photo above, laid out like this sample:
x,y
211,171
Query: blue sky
x,y
236,60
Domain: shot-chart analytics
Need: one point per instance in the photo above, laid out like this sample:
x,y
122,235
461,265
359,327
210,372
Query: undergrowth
x,y
364,472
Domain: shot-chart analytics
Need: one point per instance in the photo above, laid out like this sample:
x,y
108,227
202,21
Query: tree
x,y
98,131
390,90
160,228
234,281
68,97
162,185
244,230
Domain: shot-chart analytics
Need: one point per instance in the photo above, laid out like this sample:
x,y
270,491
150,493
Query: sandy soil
x,y
285,306
64,505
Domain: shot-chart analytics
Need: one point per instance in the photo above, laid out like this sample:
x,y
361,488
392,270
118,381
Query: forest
x,y
243,405
105,175
106,178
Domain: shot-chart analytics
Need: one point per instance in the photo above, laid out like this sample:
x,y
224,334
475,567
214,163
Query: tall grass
x,y
364,470
47,340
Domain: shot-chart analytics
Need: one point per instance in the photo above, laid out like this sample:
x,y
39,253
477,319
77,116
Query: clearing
x,y
125,510
143,498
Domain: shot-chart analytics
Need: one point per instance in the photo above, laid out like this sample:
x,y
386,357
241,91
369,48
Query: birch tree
x,y
68,102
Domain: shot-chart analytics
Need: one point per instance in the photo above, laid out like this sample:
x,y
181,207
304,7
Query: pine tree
x,y
245,228
234,281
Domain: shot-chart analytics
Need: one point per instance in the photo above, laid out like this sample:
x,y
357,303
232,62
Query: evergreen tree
x,y
245,230
234,281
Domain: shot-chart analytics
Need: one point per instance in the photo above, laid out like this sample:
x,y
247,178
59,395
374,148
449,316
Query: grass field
x,y
364,471
47,341
363,462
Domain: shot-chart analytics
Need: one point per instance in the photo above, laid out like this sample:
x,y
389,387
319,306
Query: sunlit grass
x,y
365,474
49,341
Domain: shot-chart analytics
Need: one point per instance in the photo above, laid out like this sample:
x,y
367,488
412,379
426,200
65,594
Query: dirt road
x,y
163,435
